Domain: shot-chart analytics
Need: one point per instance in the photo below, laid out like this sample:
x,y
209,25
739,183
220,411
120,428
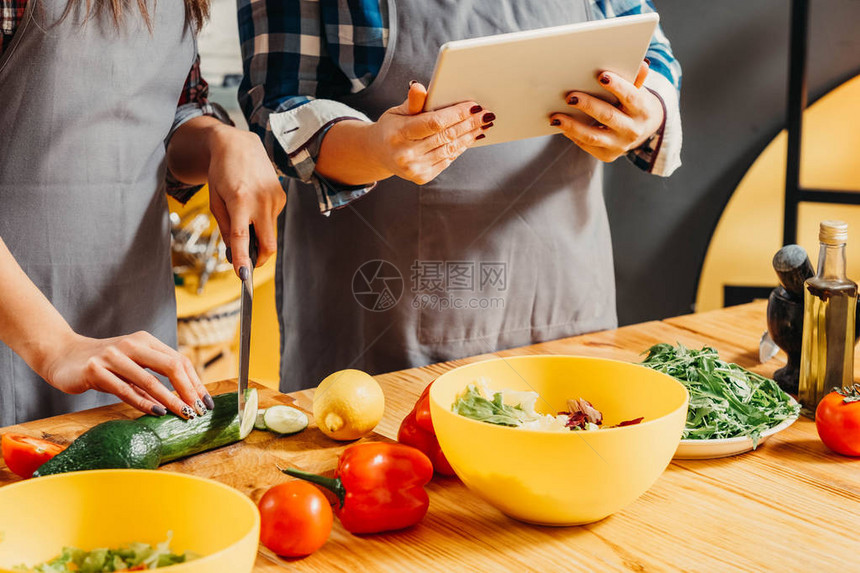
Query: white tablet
x,y
524,77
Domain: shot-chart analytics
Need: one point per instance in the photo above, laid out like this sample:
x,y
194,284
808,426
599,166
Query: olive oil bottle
x,y
830,299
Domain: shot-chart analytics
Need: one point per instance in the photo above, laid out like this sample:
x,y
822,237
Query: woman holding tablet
x,y
508,245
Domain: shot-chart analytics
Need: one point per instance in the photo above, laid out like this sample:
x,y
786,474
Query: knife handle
x,y
253,250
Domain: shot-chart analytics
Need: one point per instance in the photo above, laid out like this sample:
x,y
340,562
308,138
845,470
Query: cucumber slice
x,y
285,420
259,423
249,416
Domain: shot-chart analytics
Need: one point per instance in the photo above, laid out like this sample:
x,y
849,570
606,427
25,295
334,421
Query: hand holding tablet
x,y
528,77
611,130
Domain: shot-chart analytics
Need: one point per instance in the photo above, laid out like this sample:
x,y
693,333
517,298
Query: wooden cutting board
x,y
779,508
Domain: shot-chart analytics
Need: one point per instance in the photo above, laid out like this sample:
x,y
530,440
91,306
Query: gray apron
x,y
84,112
509,246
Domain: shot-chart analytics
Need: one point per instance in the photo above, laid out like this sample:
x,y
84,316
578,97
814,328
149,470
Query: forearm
x,y
348,155
29,324
189,150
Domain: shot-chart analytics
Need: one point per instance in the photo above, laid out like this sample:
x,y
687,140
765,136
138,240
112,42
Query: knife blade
x,y
245,308
767,348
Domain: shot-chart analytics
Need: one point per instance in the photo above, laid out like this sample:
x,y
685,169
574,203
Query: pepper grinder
x,y
785,311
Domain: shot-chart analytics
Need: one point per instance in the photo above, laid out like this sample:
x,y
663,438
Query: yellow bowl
x,y
563,478
111,508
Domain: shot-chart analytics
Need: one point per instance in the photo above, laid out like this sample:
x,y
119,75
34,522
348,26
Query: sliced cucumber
x,y
285,420
259,423
249,416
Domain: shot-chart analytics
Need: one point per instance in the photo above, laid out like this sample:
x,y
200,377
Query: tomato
x,y
838,424
296,519
24,455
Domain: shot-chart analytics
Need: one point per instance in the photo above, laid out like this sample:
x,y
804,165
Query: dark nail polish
x,y
555,122
604,79
648,61
476,109
481,136
488,126
210,403
488,117
573,100
243,273
159,410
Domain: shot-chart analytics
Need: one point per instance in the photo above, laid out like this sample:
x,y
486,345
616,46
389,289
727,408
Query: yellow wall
x,y
750,229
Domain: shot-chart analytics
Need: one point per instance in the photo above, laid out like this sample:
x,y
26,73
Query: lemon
x,y
348,405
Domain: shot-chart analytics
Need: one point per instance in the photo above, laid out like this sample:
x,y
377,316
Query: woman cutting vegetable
x,y
521,225
91,131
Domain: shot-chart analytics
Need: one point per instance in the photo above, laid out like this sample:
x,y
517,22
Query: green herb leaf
x,y
726,400
472,404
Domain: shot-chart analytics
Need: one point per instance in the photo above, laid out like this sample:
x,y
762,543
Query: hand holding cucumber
x,y
119,366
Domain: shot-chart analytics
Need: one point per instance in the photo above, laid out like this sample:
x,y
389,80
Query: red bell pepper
x,y
417,431
380,486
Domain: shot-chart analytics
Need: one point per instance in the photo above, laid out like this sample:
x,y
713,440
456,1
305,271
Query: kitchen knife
x,y
245,308
767,348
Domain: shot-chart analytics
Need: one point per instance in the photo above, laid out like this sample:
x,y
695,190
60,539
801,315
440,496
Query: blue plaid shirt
x,y
299,56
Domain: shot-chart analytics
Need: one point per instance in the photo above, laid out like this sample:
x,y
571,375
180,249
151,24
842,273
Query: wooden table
x,y
789,506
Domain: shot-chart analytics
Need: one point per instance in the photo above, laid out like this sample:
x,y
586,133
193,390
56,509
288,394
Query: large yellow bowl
x,y
563,478
110,508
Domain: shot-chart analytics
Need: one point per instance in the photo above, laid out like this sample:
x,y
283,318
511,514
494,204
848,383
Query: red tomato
x,y
296,519
24,455
838,424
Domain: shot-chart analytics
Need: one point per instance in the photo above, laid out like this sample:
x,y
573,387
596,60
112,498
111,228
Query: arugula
x,y
726,400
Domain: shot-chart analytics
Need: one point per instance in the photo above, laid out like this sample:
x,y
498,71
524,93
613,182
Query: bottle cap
x,y
833,232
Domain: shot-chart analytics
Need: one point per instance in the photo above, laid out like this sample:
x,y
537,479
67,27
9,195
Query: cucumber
x,y
117,444
249,416
285,420
259,423
151,441
182,438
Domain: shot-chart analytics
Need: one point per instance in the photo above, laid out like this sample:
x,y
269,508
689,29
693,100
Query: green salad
x,y
517,409
133,557
726,400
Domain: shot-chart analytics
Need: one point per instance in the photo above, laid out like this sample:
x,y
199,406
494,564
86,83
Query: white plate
x,y
721,448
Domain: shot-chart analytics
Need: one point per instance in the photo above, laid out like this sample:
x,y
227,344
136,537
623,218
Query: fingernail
x,y
199,406
604,79
210,403
555,122
573,100
488,126
243,273
187,412
481,136
476,109
648,61
159,410
488,117
412,82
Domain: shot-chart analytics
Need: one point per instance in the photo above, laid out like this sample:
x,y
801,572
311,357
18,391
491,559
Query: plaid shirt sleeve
x,y
11,14
298,57
661,153
193,102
